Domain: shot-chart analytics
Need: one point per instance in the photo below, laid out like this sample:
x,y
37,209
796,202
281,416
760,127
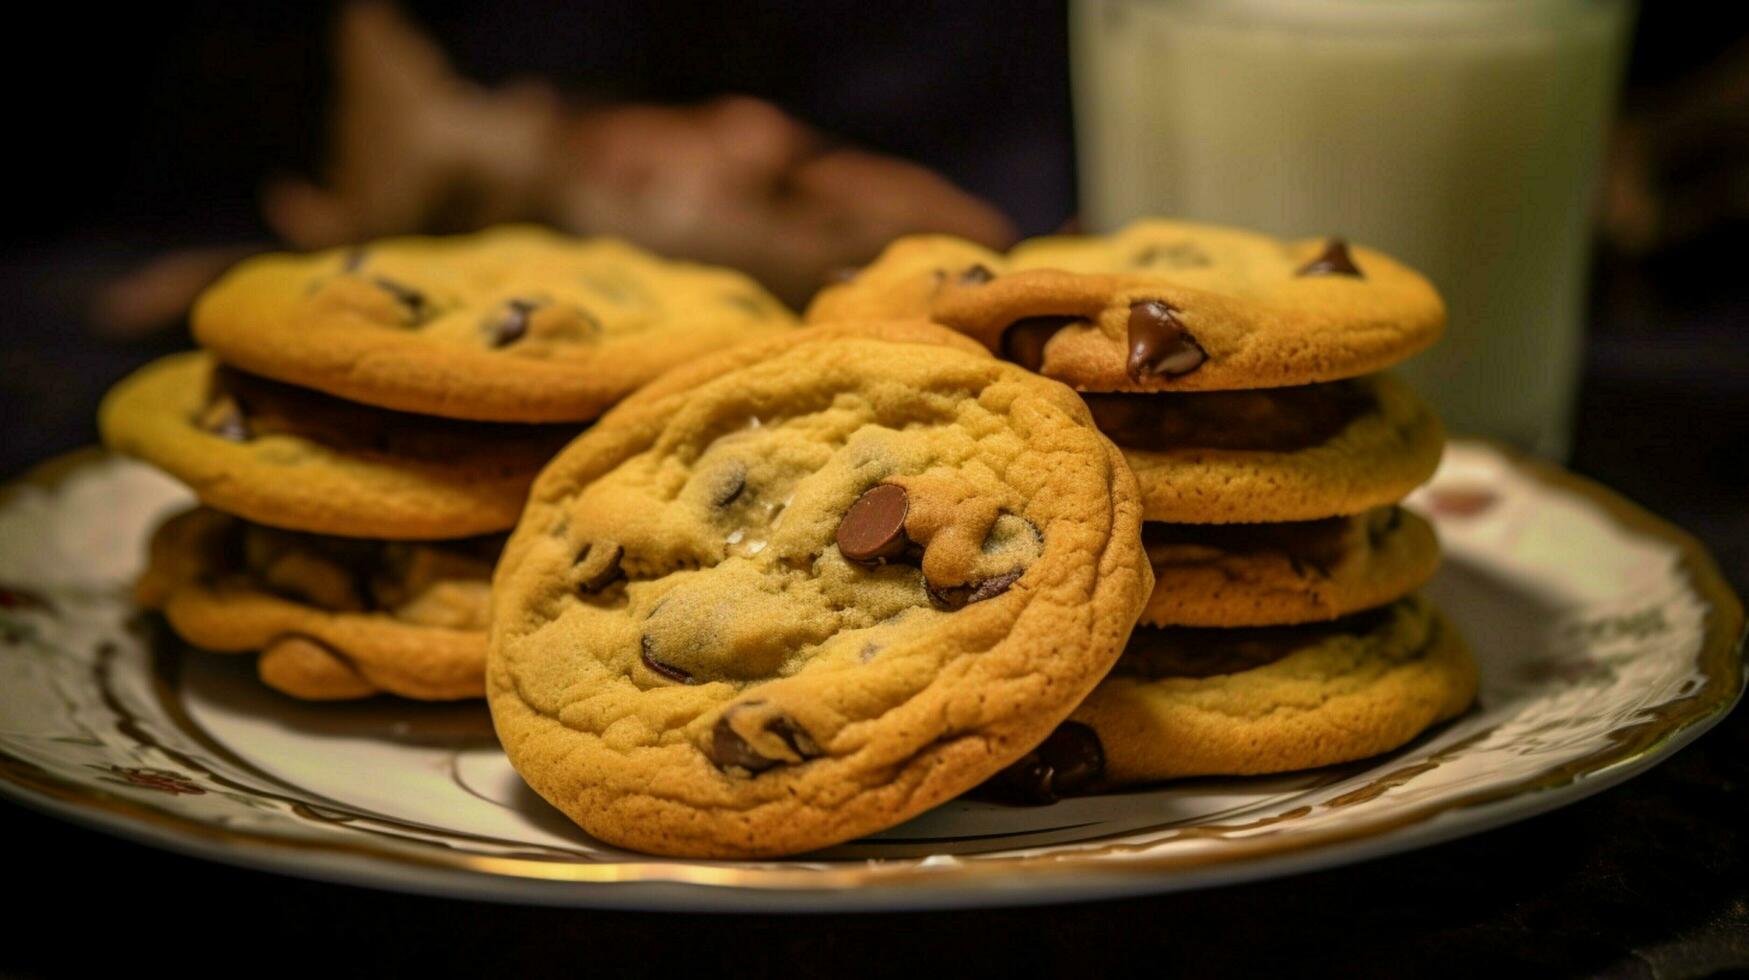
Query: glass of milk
x,y
1463,136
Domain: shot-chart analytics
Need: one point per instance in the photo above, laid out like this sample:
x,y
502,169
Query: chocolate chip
x,y
872,531
511,325
1159,344
1024,341
952,597
976,275
1069,761
799,741
669,671
1334,261
959,596
1074,755
729,749
605,567
732,487
224,418
407,296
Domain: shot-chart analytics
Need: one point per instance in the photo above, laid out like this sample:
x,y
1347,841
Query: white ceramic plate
x,y
1607,641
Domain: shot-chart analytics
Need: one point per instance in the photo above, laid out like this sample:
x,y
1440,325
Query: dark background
x,y
137,129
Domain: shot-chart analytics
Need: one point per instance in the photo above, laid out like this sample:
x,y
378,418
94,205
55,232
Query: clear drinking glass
x,y
1463,136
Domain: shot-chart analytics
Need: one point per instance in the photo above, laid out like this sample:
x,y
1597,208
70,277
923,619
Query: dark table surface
x,y
1648,879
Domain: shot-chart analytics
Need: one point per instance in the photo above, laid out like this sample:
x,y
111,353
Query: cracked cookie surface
x,y
788,596
298,459
1159,306
1278,574
1195,702
514,324
333,618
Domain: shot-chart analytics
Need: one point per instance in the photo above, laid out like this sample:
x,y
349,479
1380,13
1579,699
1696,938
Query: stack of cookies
x,y
1239,375
800,588
364,425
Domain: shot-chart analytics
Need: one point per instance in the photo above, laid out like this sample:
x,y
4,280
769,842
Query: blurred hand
x,y
734,182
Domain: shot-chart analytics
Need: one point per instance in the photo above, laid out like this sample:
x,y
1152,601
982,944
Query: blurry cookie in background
x,y
1160,305
511,324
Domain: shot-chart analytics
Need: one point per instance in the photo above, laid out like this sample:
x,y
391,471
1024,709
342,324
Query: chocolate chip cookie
x,y
800,598
1160,305
1281,454
297,459
1195,702
333,618
515,324
1276,574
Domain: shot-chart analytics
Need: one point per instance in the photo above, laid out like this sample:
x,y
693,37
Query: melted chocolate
x,y
955,597
273,408
1023,342
376,570
1180,651
1318,543
1268,419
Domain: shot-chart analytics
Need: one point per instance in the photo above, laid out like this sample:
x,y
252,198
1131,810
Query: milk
x,y
1462,136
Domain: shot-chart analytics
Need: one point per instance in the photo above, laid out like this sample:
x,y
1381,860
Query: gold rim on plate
x,y
1718,660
